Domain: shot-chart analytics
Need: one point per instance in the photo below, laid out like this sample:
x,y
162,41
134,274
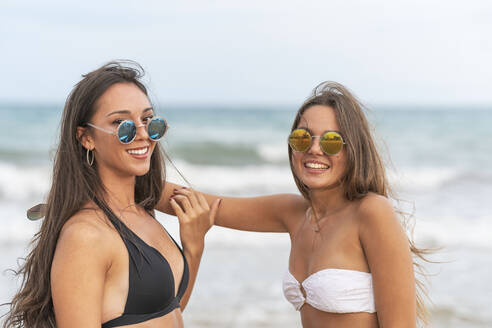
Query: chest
x,y
336,245
147,268
155,239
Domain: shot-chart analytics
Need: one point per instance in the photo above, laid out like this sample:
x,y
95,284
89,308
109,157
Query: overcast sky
x,y
418,52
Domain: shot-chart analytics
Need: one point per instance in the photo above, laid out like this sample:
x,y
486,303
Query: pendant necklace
x,y
316,228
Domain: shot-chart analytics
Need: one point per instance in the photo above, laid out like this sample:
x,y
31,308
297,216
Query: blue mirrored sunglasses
x,y
127,130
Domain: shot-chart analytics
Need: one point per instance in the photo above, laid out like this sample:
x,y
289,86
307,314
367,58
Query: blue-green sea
x,y
439,162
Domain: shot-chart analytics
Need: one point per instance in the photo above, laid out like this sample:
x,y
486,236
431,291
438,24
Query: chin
x,y
141,172
316,186
320,183
138,170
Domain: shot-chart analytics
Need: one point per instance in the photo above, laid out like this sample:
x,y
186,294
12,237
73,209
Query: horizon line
x,y
268,105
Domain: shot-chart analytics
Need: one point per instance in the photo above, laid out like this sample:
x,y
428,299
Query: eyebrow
x,y
126,111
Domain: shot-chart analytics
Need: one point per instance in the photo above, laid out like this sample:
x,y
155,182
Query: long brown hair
x,y
74,184
365,172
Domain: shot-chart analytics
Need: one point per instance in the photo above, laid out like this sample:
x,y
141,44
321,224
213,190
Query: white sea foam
x,y
23,183
423,178
454,231
275,153
16,228
245,180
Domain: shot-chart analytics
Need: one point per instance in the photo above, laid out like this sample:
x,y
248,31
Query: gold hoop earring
x,y
91,160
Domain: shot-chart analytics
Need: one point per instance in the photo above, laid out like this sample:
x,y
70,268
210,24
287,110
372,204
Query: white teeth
x,y
138,151
316,166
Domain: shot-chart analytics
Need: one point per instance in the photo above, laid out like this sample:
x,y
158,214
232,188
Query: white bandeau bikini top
x,y
332,290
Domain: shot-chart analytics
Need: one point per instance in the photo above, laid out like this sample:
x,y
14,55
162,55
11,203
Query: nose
x,y
142,133
315,147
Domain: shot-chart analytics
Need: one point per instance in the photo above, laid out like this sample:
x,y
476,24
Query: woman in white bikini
x,y
350,261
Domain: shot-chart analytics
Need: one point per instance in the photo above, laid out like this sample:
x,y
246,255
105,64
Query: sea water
x,y
439,163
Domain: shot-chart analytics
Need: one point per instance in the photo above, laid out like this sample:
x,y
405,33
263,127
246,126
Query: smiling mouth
x,y
138,151
316,166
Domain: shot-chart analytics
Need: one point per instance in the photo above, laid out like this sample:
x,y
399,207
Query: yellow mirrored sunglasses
x,y
331,142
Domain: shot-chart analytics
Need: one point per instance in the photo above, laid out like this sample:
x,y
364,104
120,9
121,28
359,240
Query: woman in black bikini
x,y
101,258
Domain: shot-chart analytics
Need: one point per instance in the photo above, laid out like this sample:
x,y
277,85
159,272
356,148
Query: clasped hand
x,y
195,217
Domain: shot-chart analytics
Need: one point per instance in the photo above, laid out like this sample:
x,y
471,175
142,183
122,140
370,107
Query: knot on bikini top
x,y
332,290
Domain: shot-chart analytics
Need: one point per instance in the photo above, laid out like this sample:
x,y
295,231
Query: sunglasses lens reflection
x,y
331,143
127,132
300,140
156,128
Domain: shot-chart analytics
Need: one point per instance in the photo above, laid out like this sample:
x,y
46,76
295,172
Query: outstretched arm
x,y
273,213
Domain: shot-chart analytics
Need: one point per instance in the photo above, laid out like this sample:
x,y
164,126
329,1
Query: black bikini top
x,y
151,280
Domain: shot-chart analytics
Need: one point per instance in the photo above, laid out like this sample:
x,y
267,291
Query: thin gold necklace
x,y
316,220
316,229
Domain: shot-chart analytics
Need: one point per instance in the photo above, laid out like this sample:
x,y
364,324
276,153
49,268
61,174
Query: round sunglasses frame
x,y
115,133
311,142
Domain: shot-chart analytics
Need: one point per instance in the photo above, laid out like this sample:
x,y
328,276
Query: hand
x,y
195,217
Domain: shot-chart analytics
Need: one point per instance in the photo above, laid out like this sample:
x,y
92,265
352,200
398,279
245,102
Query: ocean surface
x,y
439,161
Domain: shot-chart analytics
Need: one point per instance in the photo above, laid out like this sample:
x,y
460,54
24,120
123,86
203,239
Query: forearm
x,y
163,205
168,191
262,213
193,258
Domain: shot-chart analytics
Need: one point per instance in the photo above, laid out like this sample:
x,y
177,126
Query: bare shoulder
x,y
373,205
85,224
376,212
379,226
85,233
292,202
292,206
